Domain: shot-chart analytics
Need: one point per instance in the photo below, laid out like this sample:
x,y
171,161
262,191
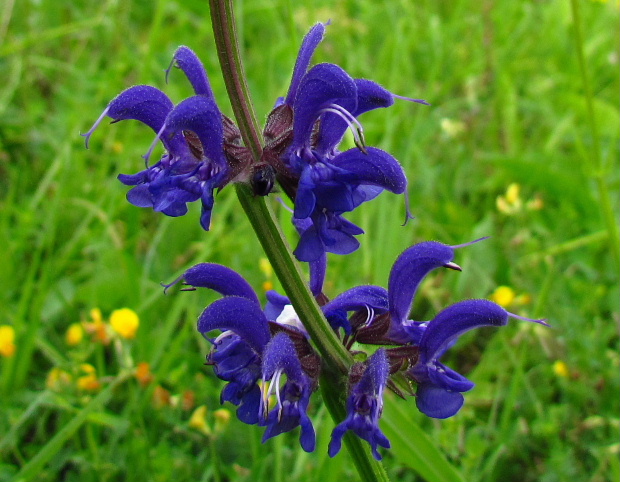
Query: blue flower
x,y
281,358
365,405
325,101
439,387
382,317
246,353
193,134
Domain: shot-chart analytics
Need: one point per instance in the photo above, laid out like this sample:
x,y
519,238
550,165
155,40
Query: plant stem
x,y
337,360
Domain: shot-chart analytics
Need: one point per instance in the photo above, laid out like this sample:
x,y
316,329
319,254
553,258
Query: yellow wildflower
x,y
510,203
57,379
267,270
97,328
561,369
125,322
7,341
88,382
198,420
74,334
503,296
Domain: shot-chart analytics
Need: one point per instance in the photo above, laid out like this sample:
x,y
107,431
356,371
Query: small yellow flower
x,y
510,203
267,270
125,322
7,341
57,379
561,369
503,296
74,334
88,382
198,420
97,328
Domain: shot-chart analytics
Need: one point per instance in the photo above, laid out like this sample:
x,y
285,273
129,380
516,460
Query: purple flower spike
x,y
364,407
439,387
280,357
239,315
186,60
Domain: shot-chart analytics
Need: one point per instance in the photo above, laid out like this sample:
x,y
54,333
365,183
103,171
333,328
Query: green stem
x,y
337,360
334,354
225,32
261,217
596,165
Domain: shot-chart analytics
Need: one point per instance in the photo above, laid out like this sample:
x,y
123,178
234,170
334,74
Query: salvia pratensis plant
x,y
272,356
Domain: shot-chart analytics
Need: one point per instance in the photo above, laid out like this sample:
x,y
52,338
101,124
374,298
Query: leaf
x,y
413,448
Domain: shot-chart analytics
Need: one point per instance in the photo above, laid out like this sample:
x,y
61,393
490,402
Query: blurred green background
x,y
509,148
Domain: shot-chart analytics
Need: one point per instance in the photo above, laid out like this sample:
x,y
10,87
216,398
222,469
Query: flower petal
x,y
436,402
359,298
377,168
456,320
186,60
370,95
275,304
201,115
309,44
280,354
142,103
409,270
239,315
323,84
219,278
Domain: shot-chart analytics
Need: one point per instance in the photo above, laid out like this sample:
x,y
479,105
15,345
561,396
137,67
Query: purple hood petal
x,y
239,315
311,41
409,270
186,60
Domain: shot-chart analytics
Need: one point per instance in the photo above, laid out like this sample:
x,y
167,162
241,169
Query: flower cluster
x,y
204,152
257,346
193,132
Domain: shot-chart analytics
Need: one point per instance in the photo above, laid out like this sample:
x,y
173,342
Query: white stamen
x,y
356,128
95,125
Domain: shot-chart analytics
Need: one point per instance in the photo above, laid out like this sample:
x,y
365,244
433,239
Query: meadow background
x,y
509,106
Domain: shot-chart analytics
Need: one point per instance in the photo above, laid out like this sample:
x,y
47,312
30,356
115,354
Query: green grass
x,y
507,74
